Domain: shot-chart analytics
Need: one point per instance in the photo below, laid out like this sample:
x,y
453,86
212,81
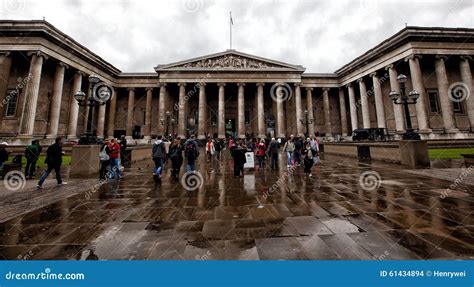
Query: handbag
x,y
316,160
103,156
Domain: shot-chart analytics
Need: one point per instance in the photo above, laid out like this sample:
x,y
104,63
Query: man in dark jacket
x,y
54,159
32,153
191,153
159,156
273,149
3,154
123,147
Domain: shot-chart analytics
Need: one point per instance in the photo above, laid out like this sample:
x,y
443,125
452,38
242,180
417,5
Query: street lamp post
x,y
99,95
405,100
306,121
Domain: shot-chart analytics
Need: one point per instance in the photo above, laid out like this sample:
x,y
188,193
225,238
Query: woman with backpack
x,y
175,154
104,158
260,154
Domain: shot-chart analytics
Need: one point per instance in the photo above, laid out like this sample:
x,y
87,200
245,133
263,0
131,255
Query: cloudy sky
x,y
135,36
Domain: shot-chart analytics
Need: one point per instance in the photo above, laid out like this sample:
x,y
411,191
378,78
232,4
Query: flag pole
x,y
230,29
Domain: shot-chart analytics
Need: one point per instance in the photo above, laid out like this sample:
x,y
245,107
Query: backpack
x,y
191,151
261,150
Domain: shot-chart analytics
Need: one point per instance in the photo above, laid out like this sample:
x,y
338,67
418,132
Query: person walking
x,y
218,148
175,154
260,154
191,153
289,148
308,161
230,144
114,154
298,148
159,156
32,153
210,149
54,159
3,154
238,153
104,158
273,150
123,148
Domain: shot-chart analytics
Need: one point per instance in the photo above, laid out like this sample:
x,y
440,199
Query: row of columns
x,y
422,104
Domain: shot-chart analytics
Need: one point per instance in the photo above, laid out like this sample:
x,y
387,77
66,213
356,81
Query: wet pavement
x,y
347,210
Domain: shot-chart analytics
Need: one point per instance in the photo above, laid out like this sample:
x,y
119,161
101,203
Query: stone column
x,y
445,101
397,109
241,111
5,68
112,108
74,106
342,107
101,121
352,107
309,106
299,110
55,105
261,132
417,82
27,122
364,102
182,110
202,116
379,106
148,114
161,109
280,112
466,78
327,112
221,111
130,112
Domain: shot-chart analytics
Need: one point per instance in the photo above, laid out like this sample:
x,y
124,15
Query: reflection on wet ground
x,y
331,215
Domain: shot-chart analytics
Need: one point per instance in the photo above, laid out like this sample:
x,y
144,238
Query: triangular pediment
x,y
229,60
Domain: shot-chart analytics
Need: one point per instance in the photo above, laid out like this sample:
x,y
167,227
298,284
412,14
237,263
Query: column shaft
x,y
55,107
446,103
74,106
364,101
280,113
202,116
379,106
353,107
299,111
241,111
221,111
342,107
466,78
27,122
309,106
130,111
260,112
101,121
327,112
397,109
149,106
112,110
417,82
5,68
161,109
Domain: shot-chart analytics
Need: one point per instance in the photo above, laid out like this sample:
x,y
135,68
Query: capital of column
x,y
388,67
412,56
309,89
64,65
221,84
241,84
130,89
159,85
297,84
38,54
349,85
360,80
441,57
181,84
466,57
148,89
374,74
260,84
326,89
82,74
5,53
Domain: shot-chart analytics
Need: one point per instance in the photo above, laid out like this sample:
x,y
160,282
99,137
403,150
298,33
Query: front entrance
x,y
229,127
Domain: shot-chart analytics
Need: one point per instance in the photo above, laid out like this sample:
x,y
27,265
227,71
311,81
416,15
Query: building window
x,y
458,107
433,97
11,102
247,117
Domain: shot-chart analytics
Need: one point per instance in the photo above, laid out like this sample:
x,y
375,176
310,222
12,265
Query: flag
x,y
231,21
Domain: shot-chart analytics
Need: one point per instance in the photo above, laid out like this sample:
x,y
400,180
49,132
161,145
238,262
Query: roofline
x,y
405,35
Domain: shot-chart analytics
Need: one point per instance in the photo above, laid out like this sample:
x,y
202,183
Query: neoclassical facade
x,y
41,69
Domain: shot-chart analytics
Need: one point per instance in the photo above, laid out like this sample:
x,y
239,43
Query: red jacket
x,y
114,150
